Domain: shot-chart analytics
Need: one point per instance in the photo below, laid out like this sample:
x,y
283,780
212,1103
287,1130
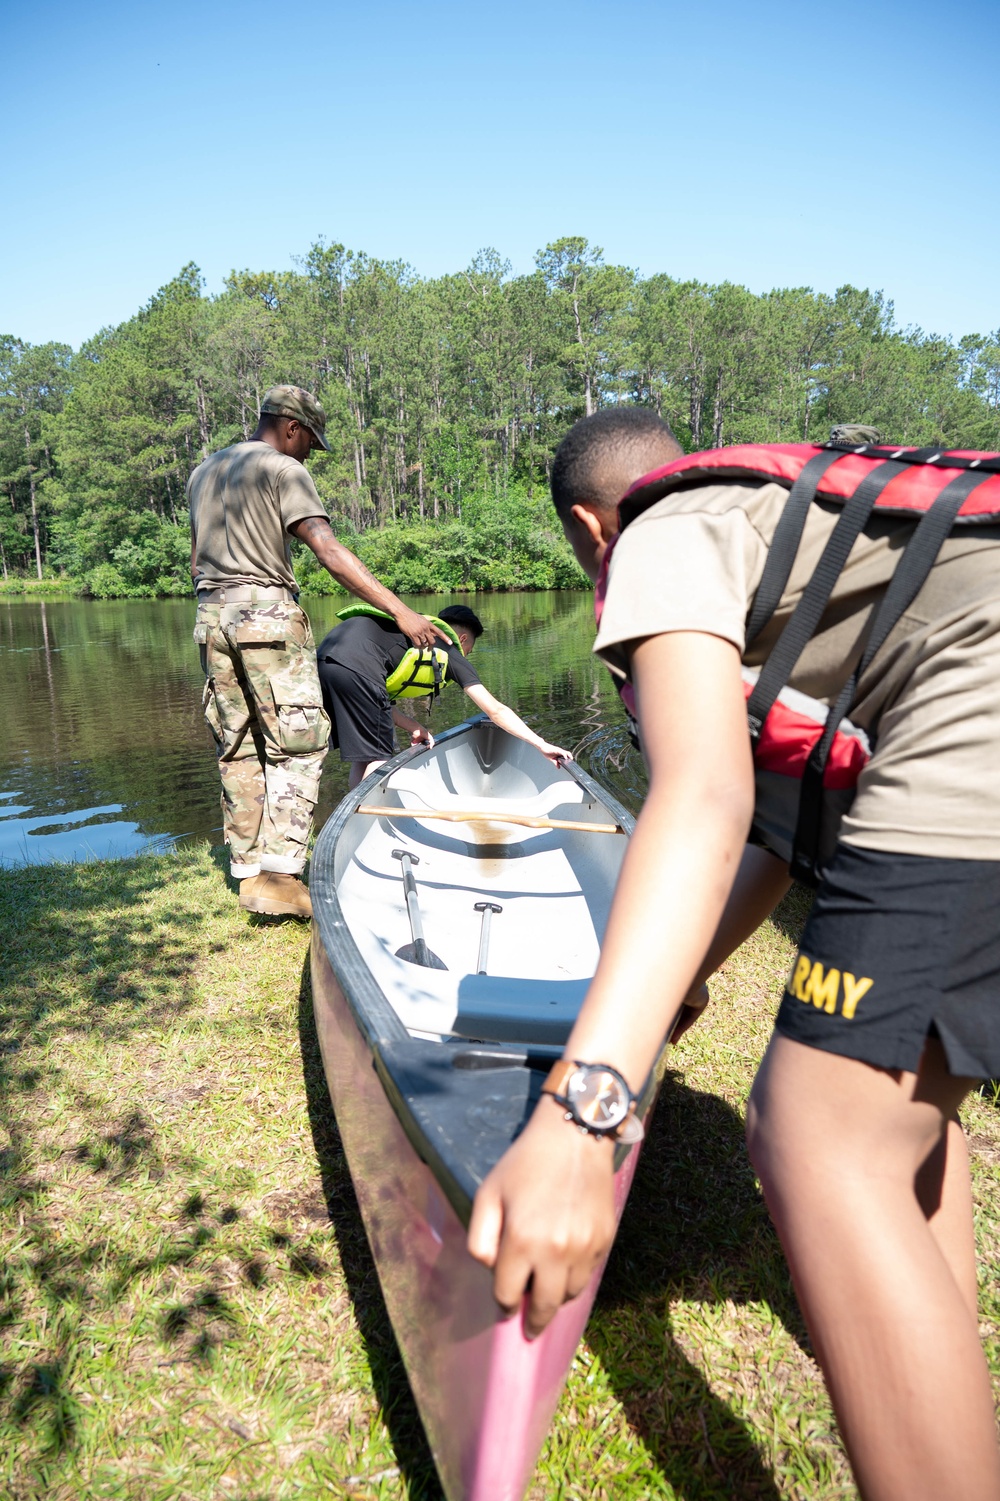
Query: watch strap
x,y
559,1076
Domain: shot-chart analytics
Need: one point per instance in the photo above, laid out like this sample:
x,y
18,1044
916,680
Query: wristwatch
x,y
596,1098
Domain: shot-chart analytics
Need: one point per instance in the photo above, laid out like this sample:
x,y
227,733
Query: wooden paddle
x,y
467,815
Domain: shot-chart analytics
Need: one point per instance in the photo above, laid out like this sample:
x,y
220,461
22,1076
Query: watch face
x,y
597,1098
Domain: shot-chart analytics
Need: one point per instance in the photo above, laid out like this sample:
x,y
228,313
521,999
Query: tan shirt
x,y
931,696
242,501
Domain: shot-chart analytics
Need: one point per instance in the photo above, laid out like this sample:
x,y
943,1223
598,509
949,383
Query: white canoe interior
x,y
554,888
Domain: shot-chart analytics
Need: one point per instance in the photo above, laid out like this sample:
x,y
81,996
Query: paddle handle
x,y
478,816
487,909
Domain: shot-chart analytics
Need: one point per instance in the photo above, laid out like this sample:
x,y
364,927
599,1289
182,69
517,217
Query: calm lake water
x,y
105,752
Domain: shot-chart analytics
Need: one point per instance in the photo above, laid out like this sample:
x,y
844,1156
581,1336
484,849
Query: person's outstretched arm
x,y
338,560
545,1215
513,723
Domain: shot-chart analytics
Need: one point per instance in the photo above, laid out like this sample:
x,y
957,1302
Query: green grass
x,y
48,588
187,1305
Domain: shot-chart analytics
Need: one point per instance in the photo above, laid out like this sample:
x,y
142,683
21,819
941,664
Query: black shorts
x,y
898,948
360,713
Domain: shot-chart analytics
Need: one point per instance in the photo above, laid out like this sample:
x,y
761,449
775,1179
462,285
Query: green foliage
x,y
446,399
502,542
154,559
33,381
55,587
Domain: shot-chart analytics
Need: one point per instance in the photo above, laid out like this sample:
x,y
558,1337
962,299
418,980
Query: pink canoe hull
x,y
485,1393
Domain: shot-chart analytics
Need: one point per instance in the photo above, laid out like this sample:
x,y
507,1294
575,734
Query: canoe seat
x,y
500,1008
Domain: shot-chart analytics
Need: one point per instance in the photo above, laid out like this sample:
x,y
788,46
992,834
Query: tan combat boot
x,y
276,895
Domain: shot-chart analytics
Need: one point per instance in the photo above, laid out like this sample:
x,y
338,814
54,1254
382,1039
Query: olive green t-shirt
x,y
242,501
931,695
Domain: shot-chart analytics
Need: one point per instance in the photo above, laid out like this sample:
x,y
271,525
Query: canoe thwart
x,y
477,815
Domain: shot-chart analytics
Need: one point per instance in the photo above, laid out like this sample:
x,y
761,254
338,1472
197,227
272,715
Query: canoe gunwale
x,y
374,1015
375,1018
383,1032
485,1392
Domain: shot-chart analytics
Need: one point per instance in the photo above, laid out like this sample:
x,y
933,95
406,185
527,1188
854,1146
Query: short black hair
x,y
462,615
591,441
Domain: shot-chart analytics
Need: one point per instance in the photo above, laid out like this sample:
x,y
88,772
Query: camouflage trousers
x,y
263,704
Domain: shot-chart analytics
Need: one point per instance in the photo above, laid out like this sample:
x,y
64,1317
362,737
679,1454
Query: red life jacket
x,y
808,756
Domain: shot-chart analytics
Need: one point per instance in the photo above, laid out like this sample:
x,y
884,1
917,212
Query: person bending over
x,y
366,664
892,1008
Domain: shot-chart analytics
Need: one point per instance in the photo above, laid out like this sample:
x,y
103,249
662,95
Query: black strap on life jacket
x,y
984,464
907,580
815,596
788,533
419,662
785,542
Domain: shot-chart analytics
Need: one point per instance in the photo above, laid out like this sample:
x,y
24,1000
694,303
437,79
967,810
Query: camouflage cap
x,y
853,435
292,401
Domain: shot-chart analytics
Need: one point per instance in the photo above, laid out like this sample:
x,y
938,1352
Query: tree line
x,y
445,396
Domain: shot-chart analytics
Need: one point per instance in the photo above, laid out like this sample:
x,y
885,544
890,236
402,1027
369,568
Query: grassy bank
x,y
24,588
188,1306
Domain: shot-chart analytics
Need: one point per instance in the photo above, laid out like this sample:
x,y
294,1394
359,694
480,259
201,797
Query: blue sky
x,y
768,143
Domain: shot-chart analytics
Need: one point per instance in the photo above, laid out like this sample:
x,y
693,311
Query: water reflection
x,y
105,752
608,753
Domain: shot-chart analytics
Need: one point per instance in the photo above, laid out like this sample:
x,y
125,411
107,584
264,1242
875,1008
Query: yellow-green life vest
x,y
421,670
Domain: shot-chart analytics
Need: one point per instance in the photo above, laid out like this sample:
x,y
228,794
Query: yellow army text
x,y
810,981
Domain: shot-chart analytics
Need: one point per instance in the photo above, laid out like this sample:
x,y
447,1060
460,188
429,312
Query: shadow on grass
x,y
77,954
695,1227
388,1373
79,957
789,916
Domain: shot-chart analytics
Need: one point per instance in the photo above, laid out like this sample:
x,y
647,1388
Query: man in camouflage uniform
x,y
262,699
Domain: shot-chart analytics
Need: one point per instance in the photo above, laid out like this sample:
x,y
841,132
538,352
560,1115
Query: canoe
x,y
433,1070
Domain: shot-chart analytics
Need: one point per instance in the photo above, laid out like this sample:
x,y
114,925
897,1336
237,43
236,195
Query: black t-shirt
x,y
374,648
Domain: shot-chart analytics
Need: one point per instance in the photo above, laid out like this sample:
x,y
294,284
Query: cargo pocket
x,y
301,719
302,728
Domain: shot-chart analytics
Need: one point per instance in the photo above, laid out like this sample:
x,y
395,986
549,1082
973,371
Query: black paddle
x,y
416,952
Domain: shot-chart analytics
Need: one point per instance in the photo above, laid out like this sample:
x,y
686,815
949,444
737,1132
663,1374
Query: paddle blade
x,y
419,953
